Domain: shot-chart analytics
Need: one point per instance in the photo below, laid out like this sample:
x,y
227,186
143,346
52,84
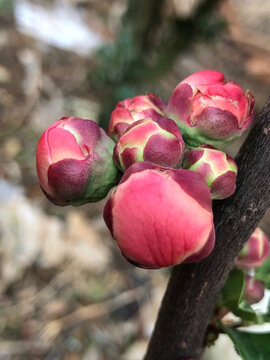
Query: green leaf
x,y
250,346
232,296
262,273
233,290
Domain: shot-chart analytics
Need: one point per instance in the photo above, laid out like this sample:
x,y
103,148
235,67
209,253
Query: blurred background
x,y
65,291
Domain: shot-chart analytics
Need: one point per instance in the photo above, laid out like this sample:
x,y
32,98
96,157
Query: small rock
x,y
5,75
222,350
136,351
84,243
55,309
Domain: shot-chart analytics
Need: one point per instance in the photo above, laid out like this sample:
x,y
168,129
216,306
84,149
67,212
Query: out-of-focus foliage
x,y
146,48
263,273
6,7
250,346
233,298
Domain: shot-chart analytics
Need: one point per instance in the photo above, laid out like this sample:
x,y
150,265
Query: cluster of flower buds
x,y
256,250
160,214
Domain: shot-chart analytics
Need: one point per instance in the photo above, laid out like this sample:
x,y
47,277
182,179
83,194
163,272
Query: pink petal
x,y
150,205
180,103
63,145
204,77
224,186
43,161
194,185
228,96
138,133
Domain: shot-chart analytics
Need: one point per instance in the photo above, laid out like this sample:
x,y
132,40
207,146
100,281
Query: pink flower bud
x,y
158,141
160,216
256,250
74,162
217,168
254,290
130,110
210,110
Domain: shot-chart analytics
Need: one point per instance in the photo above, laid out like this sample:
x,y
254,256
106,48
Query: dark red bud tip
x,y
141,266
107,214
224,186
138,167
156,101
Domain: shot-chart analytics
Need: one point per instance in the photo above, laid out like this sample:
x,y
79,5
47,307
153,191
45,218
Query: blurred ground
x,y
65,291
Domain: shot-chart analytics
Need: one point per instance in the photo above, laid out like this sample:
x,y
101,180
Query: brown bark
x,y
193,289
